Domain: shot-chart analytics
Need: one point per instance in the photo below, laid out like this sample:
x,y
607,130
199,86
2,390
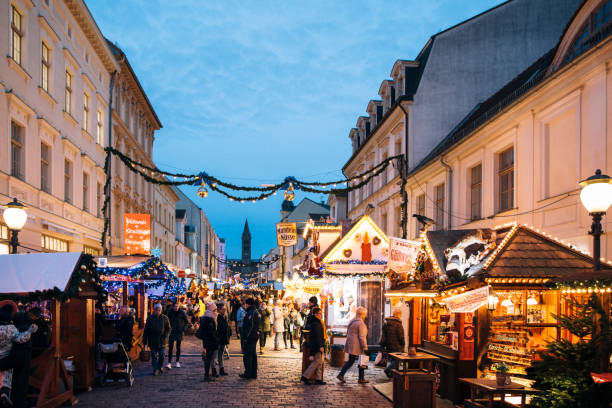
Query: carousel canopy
x,y
26,273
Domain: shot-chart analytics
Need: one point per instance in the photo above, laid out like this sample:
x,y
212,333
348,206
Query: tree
x,y
563,374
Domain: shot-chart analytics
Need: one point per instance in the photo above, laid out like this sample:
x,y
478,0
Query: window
x,y
475,192
67,181
16,35
383,223
86,111
100,128
4,236
52,244
420,209
45,161
99,200
68,106
506,179
439,210
398,221
91,251
45,65
17,151
85,192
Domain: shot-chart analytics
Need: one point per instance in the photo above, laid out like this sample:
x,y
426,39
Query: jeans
x,y
157,357
209,361
277,339
390,366
288,334
315,367
349,364
250,359
178,349
220,352
238,328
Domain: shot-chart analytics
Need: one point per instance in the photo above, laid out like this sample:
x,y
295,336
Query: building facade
x,y
163,222
54,111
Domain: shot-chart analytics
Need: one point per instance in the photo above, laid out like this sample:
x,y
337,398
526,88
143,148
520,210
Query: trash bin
x,y
413,389
337,355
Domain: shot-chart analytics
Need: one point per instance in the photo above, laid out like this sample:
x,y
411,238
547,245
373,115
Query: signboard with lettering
x,y
469,301
286,234
403,255
137,234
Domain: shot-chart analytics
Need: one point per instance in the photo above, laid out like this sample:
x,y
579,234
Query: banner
x,y
467,302
403,255
137,234
286,234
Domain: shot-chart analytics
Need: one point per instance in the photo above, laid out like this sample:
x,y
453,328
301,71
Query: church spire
x,y
246,243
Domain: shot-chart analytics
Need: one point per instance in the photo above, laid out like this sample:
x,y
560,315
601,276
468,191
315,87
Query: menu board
x,y
510,346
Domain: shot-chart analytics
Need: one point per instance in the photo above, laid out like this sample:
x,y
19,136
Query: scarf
x,y
211,311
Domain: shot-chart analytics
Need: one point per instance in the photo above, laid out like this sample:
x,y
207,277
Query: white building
x,y
162,222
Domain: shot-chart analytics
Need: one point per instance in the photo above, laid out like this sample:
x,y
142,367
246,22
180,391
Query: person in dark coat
x,y
316,345
125,328
178,323
224,334
19,361
392,339
250,336
312,303
156,333
210,342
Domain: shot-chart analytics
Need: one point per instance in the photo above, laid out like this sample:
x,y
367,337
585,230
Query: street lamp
x,y
596,197
15,218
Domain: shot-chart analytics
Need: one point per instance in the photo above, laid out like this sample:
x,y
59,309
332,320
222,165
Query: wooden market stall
x,y
65,286
499,291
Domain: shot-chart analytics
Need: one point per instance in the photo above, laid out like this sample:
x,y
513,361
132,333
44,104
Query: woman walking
x,y
264,326
289,325
210,342
356,344
278,324
224,333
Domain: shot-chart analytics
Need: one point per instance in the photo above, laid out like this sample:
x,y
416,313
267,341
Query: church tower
x,y
246,243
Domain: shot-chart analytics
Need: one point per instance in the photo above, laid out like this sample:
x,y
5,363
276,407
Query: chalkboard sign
x,y
371,297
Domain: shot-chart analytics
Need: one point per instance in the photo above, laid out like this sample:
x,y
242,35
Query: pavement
x,y
278,384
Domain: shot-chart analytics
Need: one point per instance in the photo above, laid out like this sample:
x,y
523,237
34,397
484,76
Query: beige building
x,y
519,156
54,85
162,222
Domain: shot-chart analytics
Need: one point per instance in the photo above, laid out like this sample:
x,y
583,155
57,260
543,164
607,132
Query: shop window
x,y
342,302
52,244
91,251
17,151
476,192
505,176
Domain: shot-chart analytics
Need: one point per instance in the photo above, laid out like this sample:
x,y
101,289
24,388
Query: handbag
x,y
363,361
145,355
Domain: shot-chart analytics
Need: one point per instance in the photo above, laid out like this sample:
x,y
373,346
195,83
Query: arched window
x,y
596,27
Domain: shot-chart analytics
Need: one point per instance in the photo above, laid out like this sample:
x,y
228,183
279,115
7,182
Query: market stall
x,y
65,287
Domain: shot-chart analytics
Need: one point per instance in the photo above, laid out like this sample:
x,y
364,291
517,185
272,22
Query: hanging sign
x,y
403,255
469,301
286,233
137,234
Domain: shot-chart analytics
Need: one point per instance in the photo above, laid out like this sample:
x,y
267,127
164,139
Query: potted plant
x,y
501,373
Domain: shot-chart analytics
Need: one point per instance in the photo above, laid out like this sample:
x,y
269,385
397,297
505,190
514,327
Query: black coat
x,y
392,335
178,322
156,331
223,330
125,327
208,328
316,339
250,325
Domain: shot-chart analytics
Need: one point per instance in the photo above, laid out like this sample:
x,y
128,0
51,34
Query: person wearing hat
x,y
156,333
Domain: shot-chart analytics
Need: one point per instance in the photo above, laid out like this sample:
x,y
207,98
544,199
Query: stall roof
x,y
123,261
26,273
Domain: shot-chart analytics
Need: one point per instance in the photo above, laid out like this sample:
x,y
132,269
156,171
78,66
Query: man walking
x,y
156,332
249,336
316,345
178,322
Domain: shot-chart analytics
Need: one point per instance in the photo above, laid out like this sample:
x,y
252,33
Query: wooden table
x,y
490,388
404,359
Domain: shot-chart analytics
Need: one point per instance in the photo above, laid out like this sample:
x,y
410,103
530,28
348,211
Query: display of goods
x,y
508,318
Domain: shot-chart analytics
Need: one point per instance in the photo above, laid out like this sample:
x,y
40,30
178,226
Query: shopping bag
x,y
379,357
363,361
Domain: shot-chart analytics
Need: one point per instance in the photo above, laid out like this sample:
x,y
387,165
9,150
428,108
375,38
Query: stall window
x,y
52,244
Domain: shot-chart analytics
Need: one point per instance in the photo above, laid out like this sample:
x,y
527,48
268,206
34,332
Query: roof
x,y
441,240
333,244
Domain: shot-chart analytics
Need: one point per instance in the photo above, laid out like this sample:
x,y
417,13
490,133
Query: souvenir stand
x,y
127,279
65,286
499,291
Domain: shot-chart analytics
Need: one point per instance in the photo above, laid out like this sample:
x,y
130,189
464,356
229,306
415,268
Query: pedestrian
x,y
356,344
312,303
265,326
178,323
316,345
210,342
224,333
392,339
235,305
240,315
278,323
125,328
288,322
250,335
156,333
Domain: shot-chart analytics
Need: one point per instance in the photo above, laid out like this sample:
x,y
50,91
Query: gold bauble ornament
x,y
290,194
202,191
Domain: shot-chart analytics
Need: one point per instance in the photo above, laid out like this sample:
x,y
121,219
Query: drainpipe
x,y
109,207
404,176
450,190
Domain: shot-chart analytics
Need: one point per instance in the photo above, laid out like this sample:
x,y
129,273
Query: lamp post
x,y
596,197
15,218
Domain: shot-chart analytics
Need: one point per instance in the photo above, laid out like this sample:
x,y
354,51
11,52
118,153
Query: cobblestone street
x,y
277,385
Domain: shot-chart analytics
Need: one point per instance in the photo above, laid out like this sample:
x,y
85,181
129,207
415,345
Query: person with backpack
x,y
250,336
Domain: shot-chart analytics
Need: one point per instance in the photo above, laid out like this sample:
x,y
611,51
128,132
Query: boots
x,y
222,371
261,350
207,378
214,373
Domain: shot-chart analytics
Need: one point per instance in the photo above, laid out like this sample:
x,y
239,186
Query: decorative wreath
x,y
347,253
376,240
357,237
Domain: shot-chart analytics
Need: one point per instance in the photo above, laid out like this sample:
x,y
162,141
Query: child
x,y
8,335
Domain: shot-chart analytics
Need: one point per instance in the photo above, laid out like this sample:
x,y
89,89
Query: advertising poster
x,y
403,254
286,234
137,234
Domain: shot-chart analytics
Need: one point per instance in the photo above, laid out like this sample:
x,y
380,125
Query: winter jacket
x,y
208,329
278,319
250,325
125,327
316,339
264,323
356,337
392,339
223,330
156,331
178,322
240,315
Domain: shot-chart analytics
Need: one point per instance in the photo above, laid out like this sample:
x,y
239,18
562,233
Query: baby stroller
x,y
117,365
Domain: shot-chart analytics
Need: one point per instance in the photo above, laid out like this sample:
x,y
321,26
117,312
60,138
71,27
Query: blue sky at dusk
x,y
252,91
